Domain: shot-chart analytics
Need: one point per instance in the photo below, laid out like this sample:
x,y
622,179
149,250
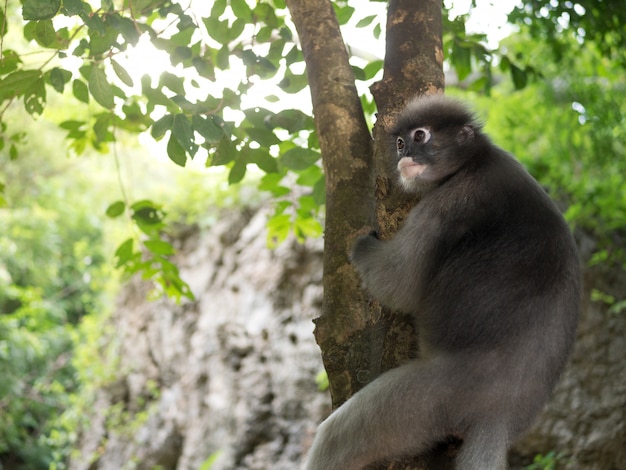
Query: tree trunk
x,y
347,151
359,339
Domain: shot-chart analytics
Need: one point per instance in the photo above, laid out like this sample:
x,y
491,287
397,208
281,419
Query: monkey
x,y
488,268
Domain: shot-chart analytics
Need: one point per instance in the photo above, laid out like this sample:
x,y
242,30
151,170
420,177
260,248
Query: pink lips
x,y
409,169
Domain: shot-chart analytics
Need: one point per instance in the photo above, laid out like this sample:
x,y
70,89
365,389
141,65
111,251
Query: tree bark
x,y
359,339
347,151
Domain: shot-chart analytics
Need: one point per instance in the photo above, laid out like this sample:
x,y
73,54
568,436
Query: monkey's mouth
x,y
409,169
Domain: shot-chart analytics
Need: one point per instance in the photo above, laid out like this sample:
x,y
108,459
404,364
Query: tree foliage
x,y
52,273
571,137
228,93
85,62
557,22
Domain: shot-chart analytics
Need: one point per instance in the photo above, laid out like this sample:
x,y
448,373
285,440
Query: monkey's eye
x,y
400,143
421,135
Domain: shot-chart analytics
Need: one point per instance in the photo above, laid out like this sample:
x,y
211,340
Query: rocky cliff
x,y
233,374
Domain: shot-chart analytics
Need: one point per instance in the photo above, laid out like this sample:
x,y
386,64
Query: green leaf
x,y
160,127
294,56
267,14
128,29
219,7
224,153
366,21
519,76
9,62
80,90
124,253
141,7
58,78
236,28
101,128
461,58
222,59
116,209
175,151
359,74
159,247
172,82
319,191
103,36
278,227
135,118
208,463
257,116
292,120
75,7
262,158
271,182
310,176
343,13
264,137
306,206
41,31
299,158
218,30
183,37
293,83
77,129
40,9
204,67
100,88
17,83
321,379
264,34
237,172
307,227
13,152
183,131
4,24
377,31
372,69
180,55
207,128
35,97
121,73
241,9
481,83
148,216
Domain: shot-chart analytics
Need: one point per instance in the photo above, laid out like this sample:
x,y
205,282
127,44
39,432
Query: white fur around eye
x,y
420,135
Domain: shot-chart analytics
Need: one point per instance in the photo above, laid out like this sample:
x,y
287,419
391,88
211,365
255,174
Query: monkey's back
x,y
509,273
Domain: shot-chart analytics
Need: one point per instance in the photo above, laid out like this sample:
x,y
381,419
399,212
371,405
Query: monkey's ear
x,y
465,135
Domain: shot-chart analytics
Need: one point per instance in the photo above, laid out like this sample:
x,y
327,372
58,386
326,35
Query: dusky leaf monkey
x,y
488,268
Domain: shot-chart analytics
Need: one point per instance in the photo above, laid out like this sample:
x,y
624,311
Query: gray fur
x,y
488,267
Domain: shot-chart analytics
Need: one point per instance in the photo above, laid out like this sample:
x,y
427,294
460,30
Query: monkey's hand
x,y
364,246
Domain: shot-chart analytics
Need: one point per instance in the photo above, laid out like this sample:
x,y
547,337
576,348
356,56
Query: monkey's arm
x,y
392,270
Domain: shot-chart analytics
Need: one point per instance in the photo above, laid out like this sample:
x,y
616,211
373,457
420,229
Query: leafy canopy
x,y
224,86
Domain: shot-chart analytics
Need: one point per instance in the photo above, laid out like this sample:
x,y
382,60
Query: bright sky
x,y
488,17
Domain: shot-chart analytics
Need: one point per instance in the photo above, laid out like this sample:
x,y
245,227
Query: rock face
x,y
234,372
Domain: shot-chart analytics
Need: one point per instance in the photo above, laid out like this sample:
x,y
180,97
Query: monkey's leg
x,y
403,412
484,447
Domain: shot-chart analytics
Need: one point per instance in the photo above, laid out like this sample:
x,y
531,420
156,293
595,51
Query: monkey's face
x,y
413,155
426,156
